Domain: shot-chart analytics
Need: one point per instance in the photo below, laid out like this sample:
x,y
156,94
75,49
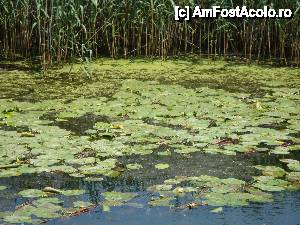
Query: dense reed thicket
x,y
55,30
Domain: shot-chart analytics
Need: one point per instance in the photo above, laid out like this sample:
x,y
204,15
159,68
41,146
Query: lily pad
x,y
162,201
73,192
2,188
82,204
162,166
118,196
15,219
272,171
31,193
217,210
134,166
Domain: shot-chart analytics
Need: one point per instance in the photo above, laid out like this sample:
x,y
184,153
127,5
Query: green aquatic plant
x,y
162,166
2,188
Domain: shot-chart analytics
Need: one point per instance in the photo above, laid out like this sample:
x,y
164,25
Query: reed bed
x,y
57,30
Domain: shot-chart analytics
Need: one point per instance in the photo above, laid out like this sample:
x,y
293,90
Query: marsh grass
x,y
56,30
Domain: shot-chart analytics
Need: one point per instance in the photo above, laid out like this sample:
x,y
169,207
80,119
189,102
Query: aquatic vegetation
x,y
162,166
31,193
118,196
271,171
2,188
162,201
217,210
134,166
144,127
115,199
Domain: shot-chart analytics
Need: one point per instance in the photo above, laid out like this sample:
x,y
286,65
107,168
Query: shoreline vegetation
x,y
152,136
52,31
103,76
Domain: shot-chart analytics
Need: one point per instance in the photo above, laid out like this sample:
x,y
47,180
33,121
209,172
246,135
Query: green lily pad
x,y
217,210
73,192
118,196
162,201
82,204
31,193
294,166
134,166
164,153
270,184
93,179
2,188
230,199
43,201
15,219
105,208
293,176
272,171
162,166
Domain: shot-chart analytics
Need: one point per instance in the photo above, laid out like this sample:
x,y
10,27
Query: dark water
x,y
285,210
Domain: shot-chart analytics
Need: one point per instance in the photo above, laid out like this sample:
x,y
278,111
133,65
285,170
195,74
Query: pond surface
x,y
151,142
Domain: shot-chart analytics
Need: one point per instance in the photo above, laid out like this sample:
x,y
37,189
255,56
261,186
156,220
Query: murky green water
x,y
151,141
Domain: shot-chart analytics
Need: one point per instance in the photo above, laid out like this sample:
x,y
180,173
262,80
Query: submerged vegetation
x,y
190,133
54,30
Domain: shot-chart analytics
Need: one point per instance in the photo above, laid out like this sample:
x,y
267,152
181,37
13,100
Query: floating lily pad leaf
x,y
295,186
186,150
105,208
230,199
270,184
182,190
102,168
288,160
5,213
162,166
82,204
177,180
93,179
78,175
52,190
51,207
134,166
272,171
31,193
62,168
217,210
224,189
165,153
16,219
113,203
2,188
43,201
45,211
280,152
112,173
26,210
233,181
160,187
295,166
82,161
162,201
9,173
293,176
73,192
9,166
259,196
118,196
44,214
204,181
